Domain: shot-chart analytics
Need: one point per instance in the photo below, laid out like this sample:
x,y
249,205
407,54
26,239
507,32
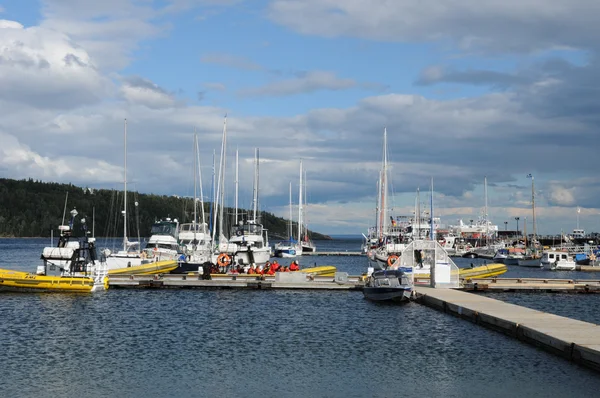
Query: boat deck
x,y
571,339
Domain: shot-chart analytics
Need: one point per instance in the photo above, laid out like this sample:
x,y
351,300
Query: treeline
x,y
30,208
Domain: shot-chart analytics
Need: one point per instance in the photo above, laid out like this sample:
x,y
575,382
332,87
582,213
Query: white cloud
x,y
303,83
141,91
45,68
18,160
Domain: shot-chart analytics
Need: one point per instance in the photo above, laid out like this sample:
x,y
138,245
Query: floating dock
x,y
571,339
333,254
532,285
283,280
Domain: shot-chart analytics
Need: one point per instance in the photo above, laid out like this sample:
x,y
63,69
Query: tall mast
x,y
212,195
290,219
200,183
418,213
300,205
237,169
533,209
486,207
255,188
219,196
195,224
383,209
125,194
431,228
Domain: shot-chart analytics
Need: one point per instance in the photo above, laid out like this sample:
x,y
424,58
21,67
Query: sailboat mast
x,y
237,170
383,210
195,224
290,219
300,205
486,207
125,194
533,208
200,183
255,188
418,213
431,228
220,188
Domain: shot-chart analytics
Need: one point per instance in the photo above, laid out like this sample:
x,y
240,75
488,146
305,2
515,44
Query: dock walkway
x,y
333,253
574,340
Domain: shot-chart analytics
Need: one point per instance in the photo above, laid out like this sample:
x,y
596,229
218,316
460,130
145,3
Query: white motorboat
x,y
558,260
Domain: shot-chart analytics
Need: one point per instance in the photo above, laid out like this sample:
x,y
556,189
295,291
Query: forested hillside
x,y
33,208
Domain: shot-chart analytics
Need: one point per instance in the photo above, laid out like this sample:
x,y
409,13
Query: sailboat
x,y
532,257
249,243
194,237
160,250
306,244
389,240
289,248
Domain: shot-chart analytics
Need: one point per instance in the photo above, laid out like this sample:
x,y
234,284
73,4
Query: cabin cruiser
x,y
287,249
249,244
195,241
162,247
558,260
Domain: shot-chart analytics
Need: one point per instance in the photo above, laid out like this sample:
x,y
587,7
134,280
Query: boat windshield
x,y
164,229
249,229
202,228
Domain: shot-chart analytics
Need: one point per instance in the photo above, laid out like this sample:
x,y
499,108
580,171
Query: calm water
x,y
228,343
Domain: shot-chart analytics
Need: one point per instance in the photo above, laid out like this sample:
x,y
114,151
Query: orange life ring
x,y
223,260
392,260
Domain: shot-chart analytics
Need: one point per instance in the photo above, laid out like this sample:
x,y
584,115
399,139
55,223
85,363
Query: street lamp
x,y
518,218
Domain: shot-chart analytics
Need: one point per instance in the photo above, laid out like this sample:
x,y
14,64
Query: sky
x,y
467,89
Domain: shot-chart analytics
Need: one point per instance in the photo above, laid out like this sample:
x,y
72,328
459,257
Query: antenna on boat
x,y
93,221
65,209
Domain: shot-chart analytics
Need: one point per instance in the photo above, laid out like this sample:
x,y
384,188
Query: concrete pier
x,y
571,339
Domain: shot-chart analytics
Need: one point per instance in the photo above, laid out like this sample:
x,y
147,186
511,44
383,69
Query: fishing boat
x,y
389,285
71,266
558,260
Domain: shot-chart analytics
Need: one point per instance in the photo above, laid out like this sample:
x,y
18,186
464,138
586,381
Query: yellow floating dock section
x,y
160,267
466,274
27,282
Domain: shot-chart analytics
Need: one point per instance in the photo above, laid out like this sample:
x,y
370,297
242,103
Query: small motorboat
x,y
390,285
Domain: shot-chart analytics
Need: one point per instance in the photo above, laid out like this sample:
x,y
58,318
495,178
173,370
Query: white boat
x,y
249,242
289,248
558,260
387,239
159,248
194,238
390,285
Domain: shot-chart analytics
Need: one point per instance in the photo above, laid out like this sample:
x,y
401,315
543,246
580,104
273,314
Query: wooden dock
x,y
571,339
533,285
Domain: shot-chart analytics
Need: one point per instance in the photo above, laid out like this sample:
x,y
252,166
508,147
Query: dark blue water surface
x,y
229,343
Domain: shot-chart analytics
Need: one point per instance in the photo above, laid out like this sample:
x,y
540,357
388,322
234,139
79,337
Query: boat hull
x,y
324,270
390,294
18,281
530,262
160,267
